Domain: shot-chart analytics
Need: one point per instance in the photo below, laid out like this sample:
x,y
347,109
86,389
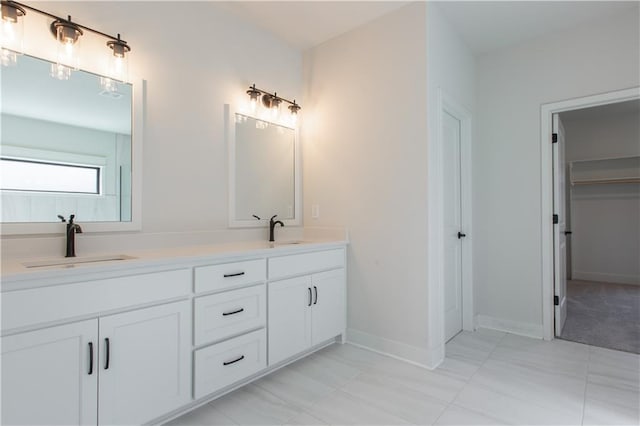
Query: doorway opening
x,y
591,194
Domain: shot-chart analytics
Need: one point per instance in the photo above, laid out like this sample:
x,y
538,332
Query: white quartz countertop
x,y
16,275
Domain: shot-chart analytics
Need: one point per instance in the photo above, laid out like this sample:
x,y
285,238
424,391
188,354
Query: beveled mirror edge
x,y
137,137
229,130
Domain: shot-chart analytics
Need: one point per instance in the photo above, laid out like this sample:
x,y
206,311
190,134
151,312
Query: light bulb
x,y
68,36
253,104
11,32
118,61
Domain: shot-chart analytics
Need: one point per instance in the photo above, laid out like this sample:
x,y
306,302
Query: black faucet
x,y
272,227
72,229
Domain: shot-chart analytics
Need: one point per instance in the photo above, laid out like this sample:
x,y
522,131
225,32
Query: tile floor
x,y
488,377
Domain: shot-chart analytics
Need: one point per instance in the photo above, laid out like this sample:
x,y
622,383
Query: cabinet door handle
x,y
90,358
310,298
240,358
107,350
237,311
237,274
315,290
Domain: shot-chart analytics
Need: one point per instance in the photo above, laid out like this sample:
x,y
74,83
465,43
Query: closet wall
x,y
604,218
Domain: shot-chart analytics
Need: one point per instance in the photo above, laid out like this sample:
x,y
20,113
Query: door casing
x,y
546,189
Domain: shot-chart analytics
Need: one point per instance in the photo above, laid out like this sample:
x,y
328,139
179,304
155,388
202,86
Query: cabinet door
x,y
45,376
289,318
145,363
328,317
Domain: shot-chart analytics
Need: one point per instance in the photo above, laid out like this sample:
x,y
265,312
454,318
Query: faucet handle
x,y
62,218
71,217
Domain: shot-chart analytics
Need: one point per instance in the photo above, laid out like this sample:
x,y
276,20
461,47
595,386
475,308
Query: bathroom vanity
x,y
150,335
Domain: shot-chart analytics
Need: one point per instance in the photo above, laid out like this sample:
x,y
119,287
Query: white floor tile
x,y
402,402
455,415
251,405
297,389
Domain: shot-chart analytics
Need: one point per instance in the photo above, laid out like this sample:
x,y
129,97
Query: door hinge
x,y
554,138
555,219
556,300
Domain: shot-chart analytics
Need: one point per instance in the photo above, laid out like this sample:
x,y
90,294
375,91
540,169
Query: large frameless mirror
x,y
67,147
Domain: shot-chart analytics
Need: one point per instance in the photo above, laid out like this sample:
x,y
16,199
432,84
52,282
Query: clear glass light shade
x,y
119,66
68,46
11,35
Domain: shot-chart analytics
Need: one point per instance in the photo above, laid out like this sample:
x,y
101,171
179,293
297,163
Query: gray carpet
x,y
603,314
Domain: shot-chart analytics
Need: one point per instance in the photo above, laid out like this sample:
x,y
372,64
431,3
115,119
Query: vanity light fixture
x,y
272,102
11,40
68,35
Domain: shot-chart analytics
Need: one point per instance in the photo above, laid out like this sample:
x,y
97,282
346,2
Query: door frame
x,y
435,260
546,188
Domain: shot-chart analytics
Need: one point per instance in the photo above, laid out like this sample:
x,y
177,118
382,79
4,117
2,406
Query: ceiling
x,y
491,25
304,24
483,25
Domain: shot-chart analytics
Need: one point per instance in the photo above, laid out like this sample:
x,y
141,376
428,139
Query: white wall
x,y
605,219
365,166
195,58
451,72
511,85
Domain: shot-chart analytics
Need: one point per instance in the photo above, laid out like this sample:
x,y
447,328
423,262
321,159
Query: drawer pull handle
x,y
107,351
315,289
90,358
237,311
240,358
237,274
310,297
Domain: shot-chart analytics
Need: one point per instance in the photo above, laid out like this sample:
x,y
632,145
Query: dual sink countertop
x,y
16,271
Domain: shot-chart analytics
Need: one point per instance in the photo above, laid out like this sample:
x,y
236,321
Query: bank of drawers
x,y
231,322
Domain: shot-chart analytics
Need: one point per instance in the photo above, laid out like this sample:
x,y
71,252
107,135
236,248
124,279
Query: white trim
x,y
546,188
606,277
435,261
137,141
229,131
394,349
508,326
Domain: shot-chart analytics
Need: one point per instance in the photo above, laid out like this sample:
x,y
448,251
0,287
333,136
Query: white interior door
x,y
559,238
451,134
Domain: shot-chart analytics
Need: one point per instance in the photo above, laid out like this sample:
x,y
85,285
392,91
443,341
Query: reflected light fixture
x,y
272,102
11,33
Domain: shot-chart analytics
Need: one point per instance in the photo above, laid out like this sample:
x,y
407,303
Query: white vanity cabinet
x,y
307,310
126,368
50,376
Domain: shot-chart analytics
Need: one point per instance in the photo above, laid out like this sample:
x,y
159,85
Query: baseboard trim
x,y
429,359
509,326
606,277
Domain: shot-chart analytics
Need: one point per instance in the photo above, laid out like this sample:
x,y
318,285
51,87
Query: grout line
x,y
586,383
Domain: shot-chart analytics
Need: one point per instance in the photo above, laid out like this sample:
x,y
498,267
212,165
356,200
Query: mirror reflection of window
x,y
265,169
74,135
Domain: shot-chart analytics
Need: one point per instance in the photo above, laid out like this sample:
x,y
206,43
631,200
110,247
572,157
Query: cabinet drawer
x,y
225,363
225,314
304,263
24,308
228,275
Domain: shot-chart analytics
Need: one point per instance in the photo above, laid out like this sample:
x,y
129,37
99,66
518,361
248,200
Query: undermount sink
x,y
286,243
69,262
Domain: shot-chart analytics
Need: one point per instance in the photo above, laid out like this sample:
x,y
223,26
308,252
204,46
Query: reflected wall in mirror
x,y
65,148
264,172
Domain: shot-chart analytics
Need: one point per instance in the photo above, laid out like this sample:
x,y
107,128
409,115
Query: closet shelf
x,y
602,171
631,179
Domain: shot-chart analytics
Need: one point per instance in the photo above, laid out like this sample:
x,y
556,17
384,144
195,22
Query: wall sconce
x,y
272,102
11,33
68,35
